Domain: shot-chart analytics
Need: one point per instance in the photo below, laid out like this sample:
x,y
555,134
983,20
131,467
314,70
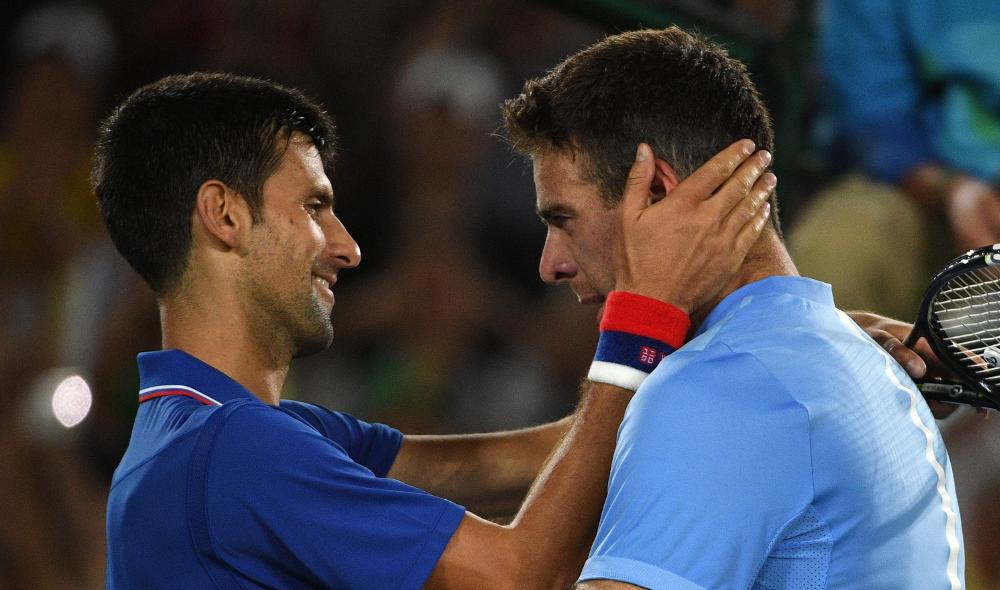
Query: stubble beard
x,y
291,325
315,327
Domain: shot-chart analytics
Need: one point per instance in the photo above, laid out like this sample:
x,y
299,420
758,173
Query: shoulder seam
x,y
136,467
812,462
190,492
788,394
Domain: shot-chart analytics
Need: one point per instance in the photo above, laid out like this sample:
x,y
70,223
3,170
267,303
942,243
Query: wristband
x,y
637,332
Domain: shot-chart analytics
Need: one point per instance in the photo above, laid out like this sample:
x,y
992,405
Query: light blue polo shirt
x,y
779,448
220,490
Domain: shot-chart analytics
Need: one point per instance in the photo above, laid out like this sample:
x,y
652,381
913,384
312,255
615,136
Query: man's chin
x,y
315,343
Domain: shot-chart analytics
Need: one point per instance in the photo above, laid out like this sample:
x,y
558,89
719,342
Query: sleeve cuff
x,y
435,544
638,573
382,455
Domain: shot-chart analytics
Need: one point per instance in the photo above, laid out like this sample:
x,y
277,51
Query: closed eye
x,y
557,221
557,217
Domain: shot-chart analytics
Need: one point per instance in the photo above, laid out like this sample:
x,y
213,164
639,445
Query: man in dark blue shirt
x,y
216,190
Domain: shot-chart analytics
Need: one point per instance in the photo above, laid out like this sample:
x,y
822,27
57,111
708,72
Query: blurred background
x,y
887,137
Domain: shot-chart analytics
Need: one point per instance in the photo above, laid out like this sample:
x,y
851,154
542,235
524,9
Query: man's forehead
x,y
302,152
562,165
301,163
559,179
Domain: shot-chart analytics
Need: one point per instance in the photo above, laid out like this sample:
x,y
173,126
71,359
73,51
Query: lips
x,y
326,281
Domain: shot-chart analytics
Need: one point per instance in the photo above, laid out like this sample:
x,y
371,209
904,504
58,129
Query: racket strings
x,y
966,311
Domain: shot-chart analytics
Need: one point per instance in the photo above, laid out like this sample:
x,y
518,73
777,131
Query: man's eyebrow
x,y
548,212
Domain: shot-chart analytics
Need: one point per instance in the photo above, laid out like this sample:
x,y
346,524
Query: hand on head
x,y
685,248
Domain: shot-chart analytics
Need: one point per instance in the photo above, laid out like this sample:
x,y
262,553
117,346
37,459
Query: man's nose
x,y
556,265
342,246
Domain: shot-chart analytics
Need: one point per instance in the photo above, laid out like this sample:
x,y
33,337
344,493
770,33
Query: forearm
x,y
487,473
556,525
546,544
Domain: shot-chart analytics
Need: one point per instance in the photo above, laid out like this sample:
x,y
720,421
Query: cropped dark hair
x,y
165,140
678,92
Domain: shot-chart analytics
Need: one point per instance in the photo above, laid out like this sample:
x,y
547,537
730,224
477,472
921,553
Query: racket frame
x,y
968,389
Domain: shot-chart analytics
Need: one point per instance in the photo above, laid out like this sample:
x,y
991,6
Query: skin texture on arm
x,y
545,545
489,474
547,542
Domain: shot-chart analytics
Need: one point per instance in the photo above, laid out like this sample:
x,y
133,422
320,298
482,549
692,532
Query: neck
x,y
767,258
215,328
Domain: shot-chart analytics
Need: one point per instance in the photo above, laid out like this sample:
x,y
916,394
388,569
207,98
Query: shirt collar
x,y
803,287
174,372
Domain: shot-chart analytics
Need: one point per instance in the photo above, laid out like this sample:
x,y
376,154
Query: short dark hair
x,y
167,138
678,92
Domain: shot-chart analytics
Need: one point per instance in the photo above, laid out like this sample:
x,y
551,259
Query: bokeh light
x,y
71,401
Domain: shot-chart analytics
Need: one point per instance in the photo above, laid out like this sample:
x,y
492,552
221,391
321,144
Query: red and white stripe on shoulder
x,y
165,390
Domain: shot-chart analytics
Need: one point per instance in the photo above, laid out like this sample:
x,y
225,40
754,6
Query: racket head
x,y
960,318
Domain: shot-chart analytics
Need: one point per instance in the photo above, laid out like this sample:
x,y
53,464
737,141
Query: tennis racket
x,y
960,318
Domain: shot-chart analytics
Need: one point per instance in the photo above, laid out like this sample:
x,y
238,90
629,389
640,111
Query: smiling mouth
x,y
326,283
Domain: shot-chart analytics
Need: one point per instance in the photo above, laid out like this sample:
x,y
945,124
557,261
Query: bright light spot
x,y
71,401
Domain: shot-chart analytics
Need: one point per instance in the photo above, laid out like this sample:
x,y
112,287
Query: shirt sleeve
x,y
370,444
712,461
875,86
287,507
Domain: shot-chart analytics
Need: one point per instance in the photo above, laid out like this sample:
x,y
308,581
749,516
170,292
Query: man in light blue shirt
x,y
780,447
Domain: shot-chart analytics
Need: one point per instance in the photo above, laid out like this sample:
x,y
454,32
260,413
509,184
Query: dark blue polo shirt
x,y
220,490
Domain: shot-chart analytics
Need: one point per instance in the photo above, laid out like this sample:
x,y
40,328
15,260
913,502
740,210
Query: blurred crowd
x,y
445,327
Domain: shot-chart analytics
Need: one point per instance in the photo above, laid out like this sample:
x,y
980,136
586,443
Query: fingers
x,y
743,182
640,179
915,366
751,231
751,212
748,206
712,174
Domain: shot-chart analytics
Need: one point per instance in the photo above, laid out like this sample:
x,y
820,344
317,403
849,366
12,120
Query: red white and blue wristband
x,y
637,332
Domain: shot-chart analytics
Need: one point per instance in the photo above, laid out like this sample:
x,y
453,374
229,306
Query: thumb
x,y
640,178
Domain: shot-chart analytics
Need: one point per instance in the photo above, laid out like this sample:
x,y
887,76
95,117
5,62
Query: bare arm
x,y
547,543
487,473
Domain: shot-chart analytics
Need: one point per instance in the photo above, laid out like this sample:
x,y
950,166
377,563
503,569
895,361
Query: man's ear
x,y
664,179
223,215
